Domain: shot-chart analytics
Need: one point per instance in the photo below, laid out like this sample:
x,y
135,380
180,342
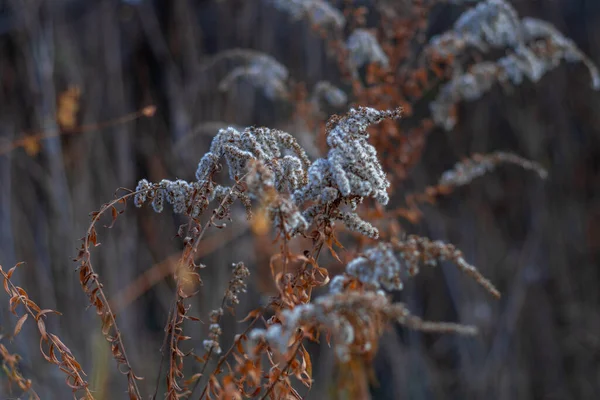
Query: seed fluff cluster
x,y
237,285
214,332
326,94
279,174
186,198
318,12
480,164
388,264
355,319
356,309
364,48
351,170
533,48
259,69
263,72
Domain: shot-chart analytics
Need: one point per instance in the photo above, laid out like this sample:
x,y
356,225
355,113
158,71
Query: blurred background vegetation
x,y
75,76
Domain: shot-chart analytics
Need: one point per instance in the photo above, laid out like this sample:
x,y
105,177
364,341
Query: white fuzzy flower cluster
x,y
214,332
237,284
263,72
318,12
354,223
490,23
278,166
279,174
285,160
537,47
186,198
355,319
280,208
259,69
326,92
352,318
387,264
378,267
351,168
480,164
364,48
549,48
279,150
285,215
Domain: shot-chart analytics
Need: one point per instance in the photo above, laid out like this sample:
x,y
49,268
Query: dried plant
x,y
363,48
307,204
51,347
535,47
93,288
253,67
269,167
319,13
10,367
325,95
479,164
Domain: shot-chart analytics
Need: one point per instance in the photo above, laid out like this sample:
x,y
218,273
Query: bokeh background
x,y
95,64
